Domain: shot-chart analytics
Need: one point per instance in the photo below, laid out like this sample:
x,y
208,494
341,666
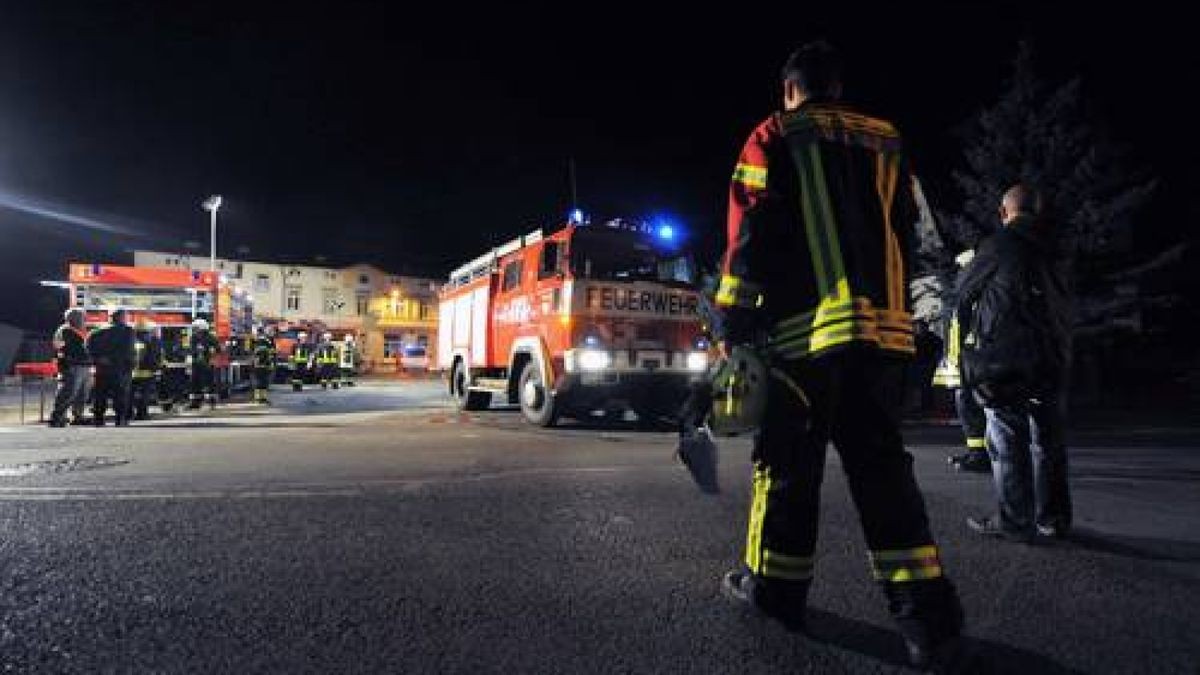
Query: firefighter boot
x,y
779,599
974,460
930,619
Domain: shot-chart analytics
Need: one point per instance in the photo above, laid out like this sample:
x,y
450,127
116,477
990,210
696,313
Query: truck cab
x,y
591,317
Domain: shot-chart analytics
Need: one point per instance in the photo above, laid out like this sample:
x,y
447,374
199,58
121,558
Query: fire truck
x,y
591,318
172,299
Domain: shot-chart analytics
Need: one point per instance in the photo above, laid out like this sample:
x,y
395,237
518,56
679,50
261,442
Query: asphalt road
x,y
374,530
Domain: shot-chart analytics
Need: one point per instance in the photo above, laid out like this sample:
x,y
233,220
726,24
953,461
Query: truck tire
x,y
537,405
464,398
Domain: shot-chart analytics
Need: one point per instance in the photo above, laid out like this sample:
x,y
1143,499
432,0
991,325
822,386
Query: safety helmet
x,y
302,336
200,324
348,339
326,336
739,393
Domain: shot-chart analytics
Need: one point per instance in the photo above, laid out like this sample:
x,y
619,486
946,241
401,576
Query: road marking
x,y
305,490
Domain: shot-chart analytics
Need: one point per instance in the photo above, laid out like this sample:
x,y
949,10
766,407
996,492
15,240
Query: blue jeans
x,y
1029,465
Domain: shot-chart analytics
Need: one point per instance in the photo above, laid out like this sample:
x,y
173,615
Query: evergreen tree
x,y
1040,135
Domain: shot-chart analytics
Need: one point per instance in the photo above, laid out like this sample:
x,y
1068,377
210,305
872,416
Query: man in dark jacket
x,y
112,350
1015,308
74,368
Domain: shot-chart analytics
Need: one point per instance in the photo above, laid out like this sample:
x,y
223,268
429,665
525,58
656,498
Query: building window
x,y
262,283
512,275
331,301
361,300
364,280
294,272
238,270
424,311
331,276
293,298
393,346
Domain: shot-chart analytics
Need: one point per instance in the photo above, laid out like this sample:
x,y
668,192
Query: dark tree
x,y
1041,135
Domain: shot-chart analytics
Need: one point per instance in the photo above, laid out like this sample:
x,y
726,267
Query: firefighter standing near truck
x,y
347,360
814,279
202,352
263,350
302,361
174,374
74,368
148,363
111,349
326,356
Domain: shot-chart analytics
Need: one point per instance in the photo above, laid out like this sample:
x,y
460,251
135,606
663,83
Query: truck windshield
x,y
624,256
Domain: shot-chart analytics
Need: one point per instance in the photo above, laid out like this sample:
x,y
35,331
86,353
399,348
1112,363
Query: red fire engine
x,y
591,317
172,299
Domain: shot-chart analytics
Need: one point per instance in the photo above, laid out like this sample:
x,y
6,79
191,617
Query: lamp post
x,y
211,205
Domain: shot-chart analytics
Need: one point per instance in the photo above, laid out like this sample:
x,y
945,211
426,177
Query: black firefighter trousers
x,y
850,397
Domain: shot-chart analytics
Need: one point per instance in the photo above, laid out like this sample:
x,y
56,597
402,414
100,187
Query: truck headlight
x,y
593,359
697,361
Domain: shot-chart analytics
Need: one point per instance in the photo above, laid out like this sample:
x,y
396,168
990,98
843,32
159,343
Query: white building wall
x,y
268,284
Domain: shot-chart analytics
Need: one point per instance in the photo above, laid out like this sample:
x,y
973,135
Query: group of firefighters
x,y
135,367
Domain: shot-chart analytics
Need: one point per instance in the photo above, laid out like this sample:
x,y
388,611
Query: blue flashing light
x,y
666,232
576,216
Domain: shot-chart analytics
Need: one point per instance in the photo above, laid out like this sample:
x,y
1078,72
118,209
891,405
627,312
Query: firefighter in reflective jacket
x,y
202,351
174,376
970,413
823,219
263,349
347,360
302,361
147,369
327,362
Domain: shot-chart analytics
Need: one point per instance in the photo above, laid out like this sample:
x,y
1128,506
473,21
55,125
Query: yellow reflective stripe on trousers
x,y
758,511
784,566
908,564
750,175
975,442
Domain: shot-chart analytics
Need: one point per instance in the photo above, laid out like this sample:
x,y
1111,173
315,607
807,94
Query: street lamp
x,y
211,205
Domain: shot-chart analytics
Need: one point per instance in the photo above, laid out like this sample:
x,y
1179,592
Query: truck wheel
x,y
465,398
537,405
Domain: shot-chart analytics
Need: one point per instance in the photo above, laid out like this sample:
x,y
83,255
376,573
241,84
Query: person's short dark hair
x,y
815,67
117,315
1024,199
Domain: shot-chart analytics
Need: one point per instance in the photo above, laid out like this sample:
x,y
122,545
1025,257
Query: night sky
x,y
384,133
